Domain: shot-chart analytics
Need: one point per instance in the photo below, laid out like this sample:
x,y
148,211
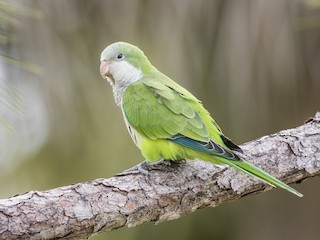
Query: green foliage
x,y
10,99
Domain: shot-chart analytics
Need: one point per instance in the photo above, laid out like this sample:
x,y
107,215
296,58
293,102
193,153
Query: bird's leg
x,y
140,168
161,165
162,161
143,167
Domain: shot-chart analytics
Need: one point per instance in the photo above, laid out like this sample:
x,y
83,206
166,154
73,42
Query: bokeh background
x,y
255,65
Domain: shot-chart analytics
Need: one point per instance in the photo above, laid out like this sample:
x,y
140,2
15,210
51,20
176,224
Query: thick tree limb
x,y
132,198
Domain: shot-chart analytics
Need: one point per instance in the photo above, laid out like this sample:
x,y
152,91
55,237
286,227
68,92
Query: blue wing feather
x,y
210,147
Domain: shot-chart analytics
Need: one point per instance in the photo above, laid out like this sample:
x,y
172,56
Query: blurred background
x,y
254,64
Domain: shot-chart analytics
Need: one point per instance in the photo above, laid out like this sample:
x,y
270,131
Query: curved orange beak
x,y
104,69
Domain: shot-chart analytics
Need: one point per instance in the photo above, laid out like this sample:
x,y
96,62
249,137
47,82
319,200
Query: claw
x,y
145,167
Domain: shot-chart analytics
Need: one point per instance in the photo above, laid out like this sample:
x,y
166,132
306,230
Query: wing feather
x,y
211,148
159,112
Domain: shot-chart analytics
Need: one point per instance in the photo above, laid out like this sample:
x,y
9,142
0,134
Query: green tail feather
x,y
254,171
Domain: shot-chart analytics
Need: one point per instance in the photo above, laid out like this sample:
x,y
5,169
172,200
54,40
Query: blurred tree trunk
x,y
165,193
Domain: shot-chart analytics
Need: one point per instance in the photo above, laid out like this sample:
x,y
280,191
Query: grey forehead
x,y
109,51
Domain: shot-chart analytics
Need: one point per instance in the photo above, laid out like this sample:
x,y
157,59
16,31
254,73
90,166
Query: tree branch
x,y
166,193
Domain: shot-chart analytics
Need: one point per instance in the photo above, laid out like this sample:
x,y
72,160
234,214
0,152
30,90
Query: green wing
x,y
158,111
165,110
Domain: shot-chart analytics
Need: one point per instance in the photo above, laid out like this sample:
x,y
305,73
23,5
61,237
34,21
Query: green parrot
x,y
164,119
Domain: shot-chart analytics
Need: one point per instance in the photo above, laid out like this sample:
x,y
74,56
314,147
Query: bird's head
x,y
122,64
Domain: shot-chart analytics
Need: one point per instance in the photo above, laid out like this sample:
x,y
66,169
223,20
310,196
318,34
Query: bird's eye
x,y
120,56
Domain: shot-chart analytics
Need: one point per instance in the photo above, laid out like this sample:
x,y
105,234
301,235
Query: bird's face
x,y
121,64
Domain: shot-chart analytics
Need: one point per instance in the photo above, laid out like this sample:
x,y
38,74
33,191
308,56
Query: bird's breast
x,y
135,135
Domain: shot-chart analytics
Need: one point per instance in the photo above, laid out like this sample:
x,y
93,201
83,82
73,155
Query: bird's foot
x,y
162,165
142,167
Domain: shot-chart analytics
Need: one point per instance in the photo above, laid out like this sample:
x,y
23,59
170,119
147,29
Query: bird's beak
x,y
104,69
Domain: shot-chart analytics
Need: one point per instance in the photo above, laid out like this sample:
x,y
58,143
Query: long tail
x,y
254,171
224,155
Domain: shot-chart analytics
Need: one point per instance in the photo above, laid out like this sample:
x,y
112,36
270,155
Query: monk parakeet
x,y
165,120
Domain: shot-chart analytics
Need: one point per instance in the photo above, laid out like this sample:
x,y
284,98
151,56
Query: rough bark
x,y
167,192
